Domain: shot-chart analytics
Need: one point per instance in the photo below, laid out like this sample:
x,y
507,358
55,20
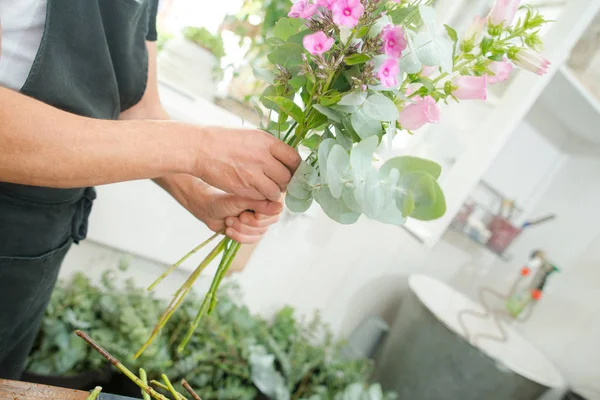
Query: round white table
x,y
427,354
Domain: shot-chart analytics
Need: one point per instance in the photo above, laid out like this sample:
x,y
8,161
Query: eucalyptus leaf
x,y
286,55
342,139
427,14
335,208
304,178
328,112
338,166
407,204
364,125
361,158
380,108
323,153
406,164
369,193
349,199
428,197
297,205
345,109
347,123
433,50
355,98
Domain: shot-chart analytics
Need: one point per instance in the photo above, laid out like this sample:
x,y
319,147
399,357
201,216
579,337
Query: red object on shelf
x,y
536,294
503,234
525,271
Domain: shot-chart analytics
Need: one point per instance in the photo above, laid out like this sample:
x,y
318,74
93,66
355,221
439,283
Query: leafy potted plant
x,y
192,63
235,355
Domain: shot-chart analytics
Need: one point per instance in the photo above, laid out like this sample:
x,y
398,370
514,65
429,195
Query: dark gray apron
x,y
93,62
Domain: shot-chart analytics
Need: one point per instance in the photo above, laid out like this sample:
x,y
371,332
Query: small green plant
x,y
234,355
203,38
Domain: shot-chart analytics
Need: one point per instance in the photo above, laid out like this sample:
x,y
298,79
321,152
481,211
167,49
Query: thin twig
x,y
187,387
119,366
95,393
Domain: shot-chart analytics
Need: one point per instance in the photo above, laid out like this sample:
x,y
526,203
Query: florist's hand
x,y
246,162
244,220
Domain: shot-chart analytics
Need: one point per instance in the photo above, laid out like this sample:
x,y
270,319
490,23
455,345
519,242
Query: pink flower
x,y
317,43
531,61
388,73
503,12
424,111
302,9
347,12
428,71
328,4
470,87
501,71
394,41
475,30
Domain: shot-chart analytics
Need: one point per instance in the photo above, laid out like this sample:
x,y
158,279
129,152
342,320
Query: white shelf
x,y
576,107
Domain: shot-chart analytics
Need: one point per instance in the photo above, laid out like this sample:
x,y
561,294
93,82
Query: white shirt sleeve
x,y
22,24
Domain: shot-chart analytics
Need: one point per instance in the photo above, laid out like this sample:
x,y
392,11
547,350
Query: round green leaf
x,y
297,205
361,158
380,108
364,125
335,208
323,153
286,55
300,185
406,164
354,98
338,165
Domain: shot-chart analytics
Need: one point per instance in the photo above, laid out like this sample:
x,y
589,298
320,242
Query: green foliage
x,y
203,38
233,355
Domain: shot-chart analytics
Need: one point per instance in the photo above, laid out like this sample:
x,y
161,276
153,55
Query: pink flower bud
x,y
428,71
302,9
347,12
475,30
503,12
531,61
317,43
470,87
424,111
388,73
501,71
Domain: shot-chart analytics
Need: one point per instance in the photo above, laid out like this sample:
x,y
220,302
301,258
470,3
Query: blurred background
x,y
520,174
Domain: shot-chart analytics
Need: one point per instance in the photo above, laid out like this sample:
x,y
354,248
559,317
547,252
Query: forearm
x,y
43,146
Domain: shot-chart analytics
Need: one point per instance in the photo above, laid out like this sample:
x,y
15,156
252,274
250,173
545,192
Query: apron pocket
x,y
26,284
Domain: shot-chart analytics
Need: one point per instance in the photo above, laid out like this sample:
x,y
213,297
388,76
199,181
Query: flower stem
x,y
180,295
171,389
178,263
95,393
210,298
144,378
120,366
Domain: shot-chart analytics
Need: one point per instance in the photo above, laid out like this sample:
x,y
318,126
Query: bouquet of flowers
x,y
349,74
